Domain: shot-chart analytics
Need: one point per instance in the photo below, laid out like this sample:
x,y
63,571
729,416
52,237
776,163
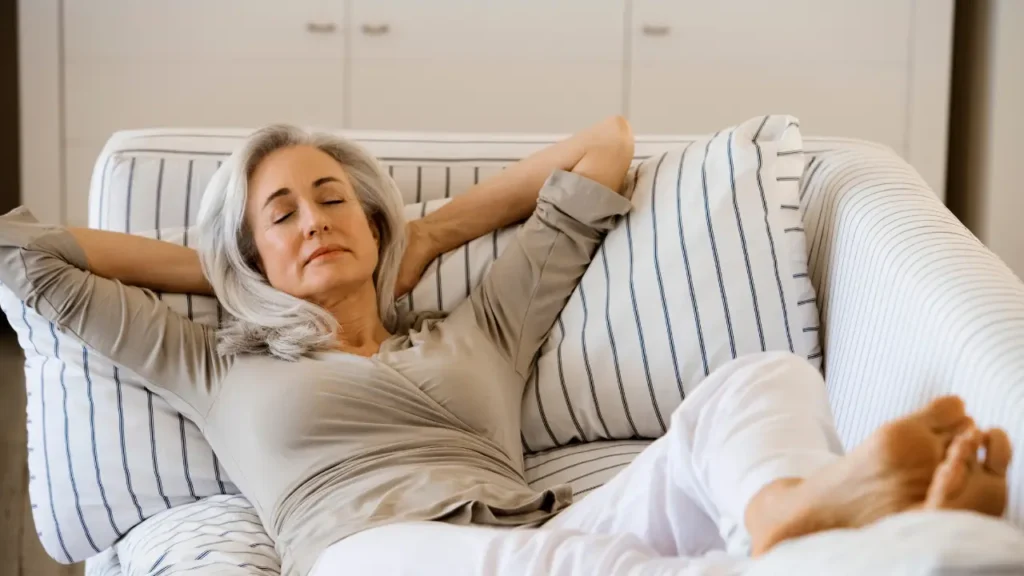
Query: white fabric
x,y
755,420
932,543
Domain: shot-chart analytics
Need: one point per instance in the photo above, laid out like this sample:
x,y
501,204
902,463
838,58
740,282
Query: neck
x,y
360,330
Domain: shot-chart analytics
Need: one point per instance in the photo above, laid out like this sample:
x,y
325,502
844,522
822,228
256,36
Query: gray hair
x,y
265,320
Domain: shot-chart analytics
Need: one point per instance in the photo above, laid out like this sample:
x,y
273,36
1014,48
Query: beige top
x,y
426,429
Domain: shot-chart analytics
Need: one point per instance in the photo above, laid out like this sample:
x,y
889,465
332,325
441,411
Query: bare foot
x,y
889,472
961,482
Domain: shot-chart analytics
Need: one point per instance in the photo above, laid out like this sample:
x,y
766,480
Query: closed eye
x,y
283,218
333,201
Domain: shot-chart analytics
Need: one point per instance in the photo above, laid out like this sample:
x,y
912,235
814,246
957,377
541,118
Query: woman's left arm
x,y
601,153
527,287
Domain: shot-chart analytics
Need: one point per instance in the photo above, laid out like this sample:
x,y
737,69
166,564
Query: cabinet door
x,y
842,67
472,65
187,63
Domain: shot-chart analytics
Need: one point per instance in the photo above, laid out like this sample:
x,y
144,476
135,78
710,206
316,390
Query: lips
x,y
328,249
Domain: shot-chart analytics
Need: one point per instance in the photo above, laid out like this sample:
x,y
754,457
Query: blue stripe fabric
x,y
586,363
46,446
640,332
686,264
582,436
743,239
124,448
658,274
67,440
611,341
152,445
95,449
768,231
714,248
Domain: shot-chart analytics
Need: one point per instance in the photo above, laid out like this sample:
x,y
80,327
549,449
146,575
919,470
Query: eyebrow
x,y
285,191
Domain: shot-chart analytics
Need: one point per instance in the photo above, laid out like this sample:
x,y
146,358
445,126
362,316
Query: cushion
x,y
104,452
216,535
710,264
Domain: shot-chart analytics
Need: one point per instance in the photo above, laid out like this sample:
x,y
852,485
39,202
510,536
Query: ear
x,y
375,230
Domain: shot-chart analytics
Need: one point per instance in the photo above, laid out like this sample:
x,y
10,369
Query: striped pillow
x,y
104,452
219,535
710,264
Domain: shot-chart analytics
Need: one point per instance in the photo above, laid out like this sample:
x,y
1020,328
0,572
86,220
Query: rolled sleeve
x,y
521,297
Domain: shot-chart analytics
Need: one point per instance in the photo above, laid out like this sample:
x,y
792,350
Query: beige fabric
x,y
427,429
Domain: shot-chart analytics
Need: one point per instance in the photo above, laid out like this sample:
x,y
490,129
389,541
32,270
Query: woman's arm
x,y
143,262
48,269
601,153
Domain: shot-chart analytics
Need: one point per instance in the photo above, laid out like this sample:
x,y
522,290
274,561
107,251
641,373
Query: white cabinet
x,y
185,63
871,69
840,66
874,69
485,66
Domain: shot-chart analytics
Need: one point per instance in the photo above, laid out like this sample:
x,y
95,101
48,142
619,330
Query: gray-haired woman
x,y
375,444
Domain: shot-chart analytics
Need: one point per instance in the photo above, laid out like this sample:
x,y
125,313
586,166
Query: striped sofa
x,y
912,305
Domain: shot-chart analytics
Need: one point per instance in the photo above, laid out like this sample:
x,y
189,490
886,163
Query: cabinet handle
x,y
321,27
375,29
655,30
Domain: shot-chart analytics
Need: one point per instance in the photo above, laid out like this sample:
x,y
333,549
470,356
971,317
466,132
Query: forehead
x,y
292,167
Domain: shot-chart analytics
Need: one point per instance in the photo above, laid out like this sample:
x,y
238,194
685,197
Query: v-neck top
x,y
329,445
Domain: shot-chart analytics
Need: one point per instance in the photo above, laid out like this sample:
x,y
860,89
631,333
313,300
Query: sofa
x,y
911,304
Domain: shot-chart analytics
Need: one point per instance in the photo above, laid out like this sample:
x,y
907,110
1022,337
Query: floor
x,y
20,551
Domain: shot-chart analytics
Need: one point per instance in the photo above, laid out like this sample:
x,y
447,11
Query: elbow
x,y
609,153
620,137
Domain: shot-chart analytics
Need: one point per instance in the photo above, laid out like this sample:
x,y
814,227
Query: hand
x,y
419,252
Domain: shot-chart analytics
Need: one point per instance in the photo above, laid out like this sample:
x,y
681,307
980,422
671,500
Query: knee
x,y
760,377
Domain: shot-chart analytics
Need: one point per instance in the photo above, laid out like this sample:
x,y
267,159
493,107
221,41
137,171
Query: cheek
x,y
278,256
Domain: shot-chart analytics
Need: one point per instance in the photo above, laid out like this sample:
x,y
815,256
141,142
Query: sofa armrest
x,y
913,306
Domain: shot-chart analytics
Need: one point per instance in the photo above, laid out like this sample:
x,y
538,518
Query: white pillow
x,y
104,453
710,264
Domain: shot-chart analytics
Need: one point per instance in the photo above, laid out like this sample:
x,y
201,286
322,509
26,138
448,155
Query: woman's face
x,y
313,238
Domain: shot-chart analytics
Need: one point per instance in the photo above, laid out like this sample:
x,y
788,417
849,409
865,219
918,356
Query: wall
x,y
987,119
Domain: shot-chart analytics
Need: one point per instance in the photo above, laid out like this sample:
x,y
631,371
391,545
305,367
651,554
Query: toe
x,y
965,447
947,482
997,451
944,413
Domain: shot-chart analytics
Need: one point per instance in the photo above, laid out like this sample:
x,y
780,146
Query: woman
x,y
370,443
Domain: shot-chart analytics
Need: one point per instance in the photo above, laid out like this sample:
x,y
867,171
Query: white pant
x,y
755,420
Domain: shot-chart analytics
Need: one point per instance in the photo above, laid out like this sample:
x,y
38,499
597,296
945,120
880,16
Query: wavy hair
x,y
265,320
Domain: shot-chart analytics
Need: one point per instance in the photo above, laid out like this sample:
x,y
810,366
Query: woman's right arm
x,y
77,281
143,262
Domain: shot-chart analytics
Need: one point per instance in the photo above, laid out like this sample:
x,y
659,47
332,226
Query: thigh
x,y
645,500
438,549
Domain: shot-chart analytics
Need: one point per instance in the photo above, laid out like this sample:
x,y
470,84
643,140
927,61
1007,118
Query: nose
x,y
316,222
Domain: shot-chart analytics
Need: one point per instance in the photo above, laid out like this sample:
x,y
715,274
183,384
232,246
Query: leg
x,y
756,420
435,548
